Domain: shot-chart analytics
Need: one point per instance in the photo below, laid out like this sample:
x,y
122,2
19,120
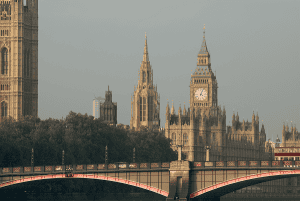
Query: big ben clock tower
x,y
203,85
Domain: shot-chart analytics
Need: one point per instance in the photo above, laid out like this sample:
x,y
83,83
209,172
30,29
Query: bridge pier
x,y
179,180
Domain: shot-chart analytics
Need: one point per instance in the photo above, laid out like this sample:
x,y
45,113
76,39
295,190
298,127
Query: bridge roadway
x,y
182,179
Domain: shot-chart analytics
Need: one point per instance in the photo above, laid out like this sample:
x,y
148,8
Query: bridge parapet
x,y
244,164
84,168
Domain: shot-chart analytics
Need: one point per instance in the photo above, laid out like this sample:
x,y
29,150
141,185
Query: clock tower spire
x,y
203,87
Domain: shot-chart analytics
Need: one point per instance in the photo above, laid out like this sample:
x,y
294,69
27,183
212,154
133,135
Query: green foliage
x,y
83,140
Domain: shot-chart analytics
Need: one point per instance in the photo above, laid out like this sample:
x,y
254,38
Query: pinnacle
x,y
145,57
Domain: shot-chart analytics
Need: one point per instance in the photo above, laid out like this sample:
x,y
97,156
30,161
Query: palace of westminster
x,y
200,126
195,129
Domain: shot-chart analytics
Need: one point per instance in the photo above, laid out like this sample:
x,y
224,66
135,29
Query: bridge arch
x,y
229,186
85,176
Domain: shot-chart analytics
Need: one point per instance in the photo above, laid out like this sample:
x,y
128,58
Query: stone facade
x,y
108,109
145,104
19,58
203,125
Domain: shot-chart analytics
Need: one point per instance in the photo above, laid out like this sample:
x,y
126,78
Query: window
x,y
150,108
3,109
144,76
185,139
4,65
144,109
141,109
173,138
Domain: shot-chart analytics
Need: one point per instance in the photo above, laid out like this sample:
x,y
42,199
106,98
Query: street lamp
x,y
207,152
63,157
134,155
106,155
32,157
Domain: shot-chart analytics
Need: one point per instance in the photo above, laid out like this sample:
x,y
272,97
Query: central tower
x,y
145,106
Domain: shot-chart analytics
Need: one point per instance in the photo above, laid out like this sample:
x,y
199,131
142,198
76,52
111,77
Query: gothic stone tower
x,y
19,58
145,105
205,123
245,142
290,138
108,109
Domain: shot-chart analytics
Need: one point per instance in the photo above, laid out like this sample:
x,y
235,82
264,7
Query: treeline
x,y
83,140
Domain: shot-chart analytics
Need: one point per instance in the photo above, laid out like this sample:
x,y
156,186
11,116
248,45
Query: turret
x,y
233,120
184,110
262,129
283,135
293,133
253,118
237,119
179,115
243,125
262,134
257,119
179,111
191,115
167,112
277,142
220,120
172,110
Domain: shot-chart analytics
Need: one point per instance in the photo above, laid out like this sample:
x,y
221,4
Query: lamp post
x,y
63,157
106,155
32,157
207,152
134,154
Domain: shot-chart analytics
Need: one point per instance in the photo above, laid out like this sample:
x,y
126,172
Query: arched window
x,y
3,110
4,64
144,76
185,139
173,138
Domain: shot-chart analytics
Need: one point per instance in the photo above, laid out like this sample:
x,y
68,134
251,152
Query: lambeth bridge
x,y
181,180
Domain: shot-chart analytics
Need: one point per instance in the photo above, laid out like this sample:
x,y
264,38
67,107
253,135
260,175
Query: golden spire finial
x,y
145,35
204,31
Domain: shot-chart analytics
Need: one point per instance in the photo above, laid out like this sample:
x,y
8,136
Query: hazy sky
x,y
84,46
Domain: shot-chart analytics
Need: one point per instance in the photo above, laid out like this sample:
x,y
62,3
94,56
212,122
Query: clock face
x,y
200,94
